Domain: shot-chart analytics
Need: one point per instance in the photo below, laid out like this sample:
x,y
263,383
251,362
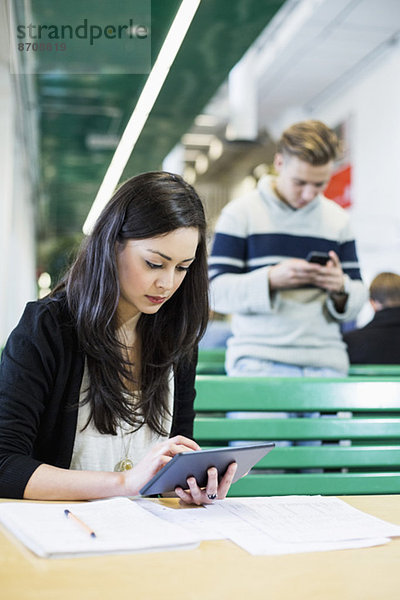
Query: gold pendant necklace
x,y
125,464
127,335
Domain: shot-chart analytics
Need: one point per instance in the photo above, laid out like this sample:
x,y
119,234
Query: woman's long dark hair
x,y
149,205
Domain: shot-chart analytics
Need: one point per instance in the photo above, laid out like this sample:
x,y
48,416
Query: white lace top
x,y
96,451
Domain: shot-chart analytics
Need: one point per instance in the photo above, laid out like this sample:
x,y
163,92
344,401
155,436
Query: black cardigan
x,y
41,372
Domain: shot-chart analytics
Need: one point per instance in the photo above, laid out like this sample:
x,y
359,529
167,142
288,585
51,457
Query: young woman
x,y
97,379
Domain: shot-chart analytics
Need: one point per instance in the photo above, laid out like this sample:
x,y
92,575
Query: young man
x,y
286,311
379,341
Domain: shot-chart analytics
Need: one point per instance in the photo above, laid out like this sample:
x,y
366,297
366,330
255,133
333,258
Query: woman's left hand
x,y
213,490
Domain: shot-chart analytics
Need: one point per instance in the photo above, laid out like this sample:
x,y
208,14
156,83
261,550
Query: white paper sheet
x,y
283,524
120,526
277,525
306,518
263,545
287,525
201,523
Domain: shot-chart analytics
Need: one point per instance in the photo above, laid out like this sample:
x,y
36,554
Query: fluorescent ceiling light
x,y
189,175
191,155
204,120
146,101
201,164
216,149
197,139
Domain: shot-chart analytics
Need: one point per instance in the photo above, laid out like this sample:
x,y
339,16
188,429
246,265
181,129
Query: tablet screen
x,y
196,463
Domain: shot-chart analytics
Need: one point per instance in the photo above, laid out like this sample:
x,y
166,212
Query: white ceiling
x,y
336,41
308,53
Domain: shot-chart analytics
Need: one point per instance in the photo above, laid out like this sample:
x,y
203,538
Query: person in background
x,y
97,379
286,311
217,333
379,341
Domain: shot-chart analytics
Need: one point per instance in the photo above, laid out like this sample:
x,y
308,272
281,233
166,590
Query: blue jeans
x,y
258,367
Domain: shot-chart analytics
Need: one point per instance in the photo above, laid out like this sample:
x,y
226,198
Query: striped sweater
x,y
293,326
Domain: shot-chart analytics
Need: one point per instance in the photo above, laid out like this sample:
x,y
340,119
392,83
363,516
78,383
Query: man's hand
x,y
296,272
293,273
330,277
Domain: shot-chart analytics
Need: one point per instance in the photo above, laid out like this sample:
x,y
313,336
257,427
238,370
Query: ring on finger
x,y
211,496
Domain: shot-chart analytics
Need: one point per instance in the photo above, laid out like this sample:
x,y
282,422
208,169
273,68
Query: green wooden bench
x,y
210,368
212,354
375,370
363,413
211,362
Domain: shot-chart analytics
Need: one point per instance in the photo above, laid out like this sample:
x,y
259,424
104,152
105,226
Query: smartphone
x,y
318,257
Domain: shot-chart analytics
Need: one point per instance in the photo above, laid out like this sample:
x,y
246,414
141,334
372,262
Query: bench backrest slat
x,y
219,392
212,361
374,370
357,432
317,483
297,429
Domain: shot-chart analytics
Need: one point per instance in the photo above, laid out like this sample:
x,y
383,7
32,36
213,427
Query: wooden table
x,y
216,570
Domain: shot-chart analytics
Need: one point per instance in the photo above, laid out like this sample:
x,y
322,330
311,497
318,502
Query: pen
x,y
83,525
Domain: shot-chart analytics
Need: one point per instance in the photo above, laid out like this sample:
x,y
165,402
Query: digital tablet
x,y
196,463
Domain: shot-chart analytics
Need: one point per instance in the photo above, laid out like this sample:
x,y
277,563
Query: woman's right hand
x,y
154,460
